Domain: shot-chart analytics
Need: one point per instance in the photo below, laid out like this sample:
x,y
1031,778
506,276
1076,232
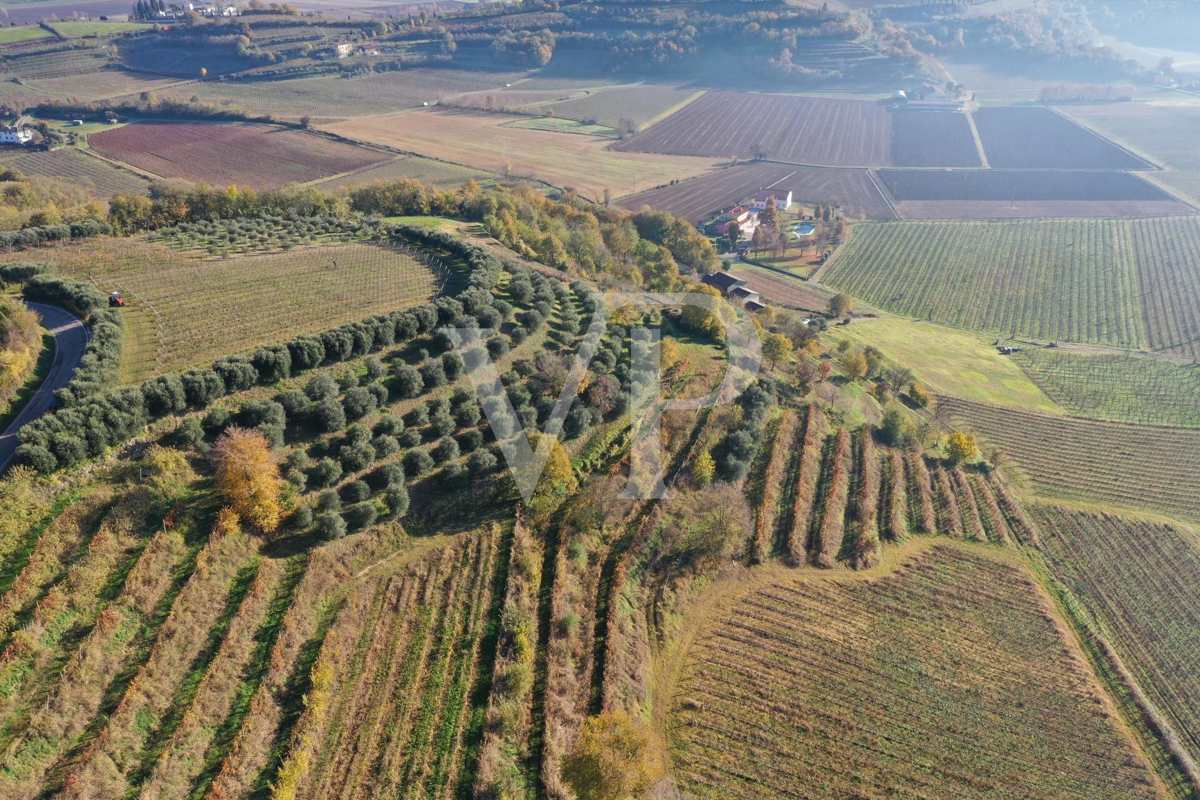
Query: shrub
x,y
330,526
329,500
273,362
410,438
357,458
389,425
201,387
262,412
357,434
321,387
497,347
327,472
452,366
301,519
396,498
379,392
385,446
375,368
471,440
360,516
387,475
164,395
481,462
445,450
409,382
442,424
433,373
358,403
189,433
347,381
468,415
36,456
295,404
217,420
356,492
417,418
329,416
237,372
417,462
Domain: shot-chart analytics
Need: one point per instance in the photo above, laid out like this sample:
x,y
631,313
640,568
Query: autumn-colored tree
x,y
704,470
669,352
613,758
776,348
701,320
768,218
919,395
840,304
557,481
249,477
961,447
856,365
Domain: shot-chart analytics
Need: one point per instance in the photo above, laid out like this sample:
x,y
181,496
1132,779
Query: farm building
x,y
746,220
15,134
744,295
343,49
783,199
725,282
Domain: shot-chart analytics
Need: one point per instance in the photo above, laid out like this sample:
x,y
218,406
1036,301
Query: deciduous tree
x,y
249,477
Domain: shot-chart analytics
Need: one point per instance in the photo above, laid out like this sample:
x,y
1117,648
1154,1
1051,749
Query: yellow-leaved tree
x,y
613,759
961,447
557,481
249,477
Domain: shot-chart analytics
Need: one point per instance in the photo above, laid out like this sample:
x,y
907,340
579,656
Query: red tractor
x,y
115,301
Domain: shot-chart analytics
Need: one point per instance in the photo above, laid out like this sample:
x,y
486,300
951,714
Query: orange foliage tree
x,y
249,477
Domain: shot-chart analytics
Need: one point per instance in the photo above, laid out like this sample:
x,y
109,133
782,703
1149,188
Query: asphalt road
x,y
70,340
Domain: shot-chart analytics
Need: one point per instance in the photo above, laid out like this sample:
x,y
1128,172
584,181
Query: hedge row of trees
x,y
741,445
93,422
100,367
40,234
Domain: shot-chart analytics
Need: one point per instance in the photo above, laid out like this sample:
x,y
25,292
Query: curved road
x,y
70,340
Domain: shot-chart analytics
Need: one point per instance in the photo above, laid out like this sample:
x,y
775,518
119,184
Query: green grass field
x,y
1121,283
562,125
856,689
1119,388
950,362
25,33
79,29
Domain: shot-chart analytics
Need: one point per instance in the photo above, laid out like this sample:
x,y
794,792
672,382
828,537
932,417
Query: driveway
x,y
70,340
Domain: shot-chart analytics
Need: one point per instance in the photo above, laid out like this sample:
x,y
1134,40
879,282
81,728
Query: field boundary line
x,y
1154,165
874,182
983,159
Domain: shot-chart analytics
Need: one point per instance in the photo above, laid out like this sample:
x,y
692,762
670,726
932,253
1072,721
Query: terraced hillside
x,y
825,687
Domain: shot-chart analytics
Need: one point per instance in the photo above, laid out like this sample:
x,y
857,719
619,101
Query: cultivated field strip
x,y
1069,280
1141,581
220,154
97,177
186,641
176,762
75,704
802,130
1168,258
774,479
1038,138
816,687
403,658
1120,388
921,139
699,199
1106,462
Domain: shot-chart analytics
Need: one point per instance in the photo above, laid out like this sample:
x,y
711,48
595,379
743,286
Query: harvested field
x,y
96,176
1157,469
221,153
1168,258
803,130
699,199
922,139
481,140
904,684
1068,280
782,289
1141,581
1167,134
1024,194
260,299
335,98
642,105
1033,137
1131,388
426,170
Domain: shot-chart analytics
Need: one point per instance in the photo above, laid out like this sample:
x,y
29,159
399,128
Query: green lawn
x,y
562,125
78,29
950,362
24,34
